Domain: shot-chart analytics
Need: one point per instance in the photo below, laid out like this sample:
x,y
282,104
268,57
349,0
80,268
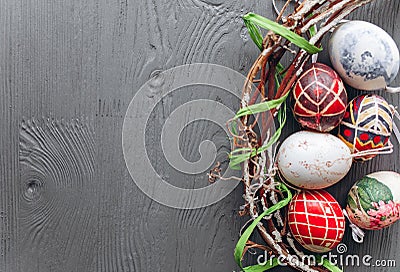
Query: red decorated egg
x,y
320,98
367,124
316,220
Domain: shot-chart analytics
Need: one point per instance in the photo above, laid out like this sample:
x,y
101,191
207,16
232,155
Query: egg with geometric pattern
x,y
367,125
316,220
320,98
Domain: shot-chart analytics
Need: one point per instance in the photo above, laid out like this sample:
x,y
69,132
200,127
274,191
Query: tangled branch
x,y
266,81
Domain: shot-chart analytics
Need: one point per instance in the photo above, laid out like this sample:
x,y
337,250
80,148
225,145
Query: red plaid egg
x,y
320,98
316,220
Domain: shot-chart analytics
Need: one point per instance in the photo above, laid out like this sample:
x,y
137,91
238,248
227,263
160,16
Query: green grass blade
x,y
246,153
254,33
261,107
241,244
282,31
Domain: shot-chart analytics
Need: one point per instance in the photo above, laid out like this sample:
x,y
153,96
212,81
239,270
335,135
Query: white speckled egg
x,y
313,160
364,55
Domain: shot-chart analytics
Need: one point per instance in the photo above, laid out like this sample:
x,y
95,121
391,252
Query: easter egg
x,y
313,160
316,220
367,124
374,201
320,98
364,55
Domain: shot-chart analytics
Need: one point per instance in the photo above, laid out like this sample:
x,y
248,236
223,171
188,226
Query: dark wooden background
x,y
68,70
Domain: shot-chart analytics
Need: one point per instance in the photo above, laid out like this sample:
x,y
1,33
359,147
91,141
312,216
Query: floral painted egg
x,y
313,160
320,98
367,124
316,220
374,201
364,55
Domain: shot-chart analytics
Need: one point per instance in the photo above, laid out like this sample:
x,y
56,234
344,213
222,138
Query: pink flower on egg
x,y
383,214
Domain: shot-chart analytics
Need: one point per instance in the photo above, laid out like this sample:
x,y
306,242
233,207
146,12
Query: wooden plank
x,y
8,143
379,244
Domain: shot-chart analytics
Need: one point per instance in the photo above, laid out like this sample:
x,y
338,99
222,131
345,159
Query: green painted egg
x,y
374,201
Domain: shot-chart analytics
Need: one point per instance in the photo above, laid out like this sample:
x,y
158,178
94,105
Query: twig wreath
x,y
264,96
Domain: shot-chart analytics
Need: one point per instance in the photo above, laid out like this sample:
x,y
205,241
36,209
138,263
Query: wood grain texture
x,y
68,71
8,144
57,189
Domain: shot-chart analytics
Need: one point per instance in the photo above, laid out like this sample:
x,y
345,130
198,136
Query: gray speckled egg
x,y
364,55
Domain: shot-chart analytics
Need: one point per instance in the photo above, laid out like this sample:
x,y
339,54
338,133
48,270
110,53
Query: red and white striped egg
x,y
320,98
316,220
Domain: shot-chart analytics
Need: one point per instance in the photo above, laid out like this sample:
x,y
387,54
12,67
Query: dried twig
x,y
260,190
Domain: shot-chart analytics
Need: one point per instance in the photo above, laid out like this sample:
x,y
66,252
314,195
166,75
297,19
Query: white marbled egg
x,y
364,55
313,160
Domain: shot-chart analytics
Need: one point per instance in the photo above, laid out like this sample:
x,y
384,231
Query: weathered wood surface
x,y
68,70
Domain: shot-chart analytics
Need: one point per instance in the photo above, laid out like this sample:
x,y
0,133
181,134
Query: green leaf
x,y
257,38
278,132
326,263
246,153
261,107
236,160
279,68
241,244
313,31
282,31
255,34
